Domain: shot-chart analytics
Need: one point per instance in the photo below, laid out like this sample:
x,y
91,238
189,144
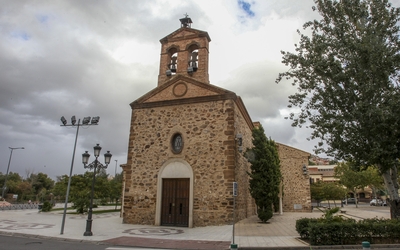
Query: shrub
x,y
302,227
265,214
46,206
347,232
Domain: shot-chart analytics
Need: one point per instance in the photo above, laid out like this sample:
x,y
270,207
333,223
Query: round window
x,y
177,143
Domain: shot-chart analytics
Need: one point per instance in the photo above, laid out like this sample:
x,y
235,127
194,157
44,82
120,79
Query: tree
x,y
317,192
373,179
265,173
80,189
352,180
347,74
116,188
326,191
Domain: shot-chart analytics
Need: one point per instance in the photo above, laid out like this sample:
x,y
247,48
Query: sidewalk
x,y
108,229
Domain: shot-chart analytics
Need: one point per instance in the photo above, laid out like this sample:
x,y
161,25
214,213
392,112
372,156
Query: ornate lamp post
x,y
95,164
8,168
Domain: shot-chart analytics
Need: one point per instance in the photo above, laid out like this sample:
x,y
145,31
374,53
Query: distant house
x,y
326,173
323,173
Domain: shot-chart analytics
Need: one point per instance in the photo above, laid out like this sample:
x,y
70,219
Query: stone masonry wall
x,y
245,205
208,135
296,185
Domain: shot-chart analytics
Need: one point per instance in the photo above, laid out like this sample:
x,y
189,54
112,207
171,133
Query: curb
x,y
33,236
343,247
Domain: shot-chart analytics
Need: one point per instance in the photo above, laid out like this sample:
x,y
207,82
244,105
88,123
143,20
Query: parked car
x,y
349,201
376,202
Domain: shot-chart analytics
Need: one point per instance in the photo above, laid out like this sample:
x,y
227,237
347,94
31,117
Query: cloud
x,y
93,58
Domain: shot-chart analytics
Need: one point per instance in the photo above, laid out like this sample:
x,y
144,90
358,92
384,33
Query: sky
x,y
93,58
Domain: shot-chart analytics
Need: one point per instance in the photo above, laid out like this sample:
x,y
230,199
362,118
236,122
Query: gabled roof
x,y
180,88
185,90
185,32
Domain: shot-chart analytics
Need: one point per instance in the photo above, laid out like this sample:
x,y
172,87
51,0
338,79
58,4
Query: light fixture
x,y
305,170
85,158
86,120
73,120
168,72
107,157
76,124
239,140
95,164
190,70
95,120
97,150
63,120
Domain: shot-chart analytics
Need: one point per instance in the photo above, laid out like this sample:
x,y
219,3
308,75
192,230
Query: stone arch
x,y
174,168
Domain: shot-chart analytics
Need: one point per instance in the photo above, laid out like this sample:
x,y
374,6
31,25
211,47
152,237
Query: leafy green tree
x,y
13,180
116,188
81,187
265,173
327,191
317,192
332,191
351,179
373,179
40,181
347,74
24,191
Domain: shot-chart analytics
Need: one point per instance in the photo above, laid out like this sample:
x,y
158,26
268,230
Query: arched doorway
x,y
175,194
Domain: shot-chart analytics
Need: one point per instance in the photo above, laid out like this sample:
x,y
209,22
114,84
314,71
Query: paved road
x,y
23,243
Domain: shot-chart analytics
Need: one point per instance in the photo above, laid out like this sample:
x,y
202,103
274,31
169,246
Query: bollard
x,y
366,245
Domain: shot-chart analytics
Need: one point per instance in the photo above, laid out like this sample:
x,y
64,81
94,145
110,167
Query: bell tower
x,y
184,52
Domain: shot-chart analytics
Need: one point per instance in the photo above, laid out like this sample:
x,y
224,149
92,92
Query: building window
x,y
177,143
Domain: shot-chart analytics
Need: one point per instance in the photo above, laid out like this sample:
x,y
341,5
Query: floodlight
x,y
95,120
73,120
63,120
86,120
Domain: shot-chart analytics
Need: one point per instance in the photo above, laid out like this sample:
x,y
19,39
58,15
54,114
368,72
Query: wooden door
x,y
175,202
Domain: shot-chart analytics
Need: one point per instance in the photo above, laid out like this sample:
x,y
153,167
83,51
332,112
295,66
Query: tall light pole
x,y
85,122
116,162
95,164
8,168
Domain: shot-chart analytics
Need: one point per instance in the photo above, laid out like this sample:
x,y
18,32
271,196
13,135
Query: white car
x,y
376,202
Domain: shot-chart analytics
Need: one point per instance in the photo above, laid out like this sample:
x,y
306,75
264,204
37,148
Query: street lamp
x,y
95,164
116,162
85,122
8,168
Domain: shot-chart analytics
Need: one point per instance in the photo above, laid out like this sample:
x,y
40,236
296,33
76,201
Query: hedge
x,y
349,232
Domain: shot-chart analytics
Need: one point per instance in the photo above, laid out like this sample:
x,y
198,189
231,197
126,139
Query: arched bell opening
x,y
173,60
193,60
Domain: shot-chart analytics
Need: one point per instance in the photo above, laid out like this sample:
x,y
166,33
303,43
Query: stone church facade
x,y
186,145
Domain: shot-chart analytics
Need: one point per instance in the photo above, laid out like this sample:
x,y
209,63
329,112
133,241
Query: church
x,y
186,144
